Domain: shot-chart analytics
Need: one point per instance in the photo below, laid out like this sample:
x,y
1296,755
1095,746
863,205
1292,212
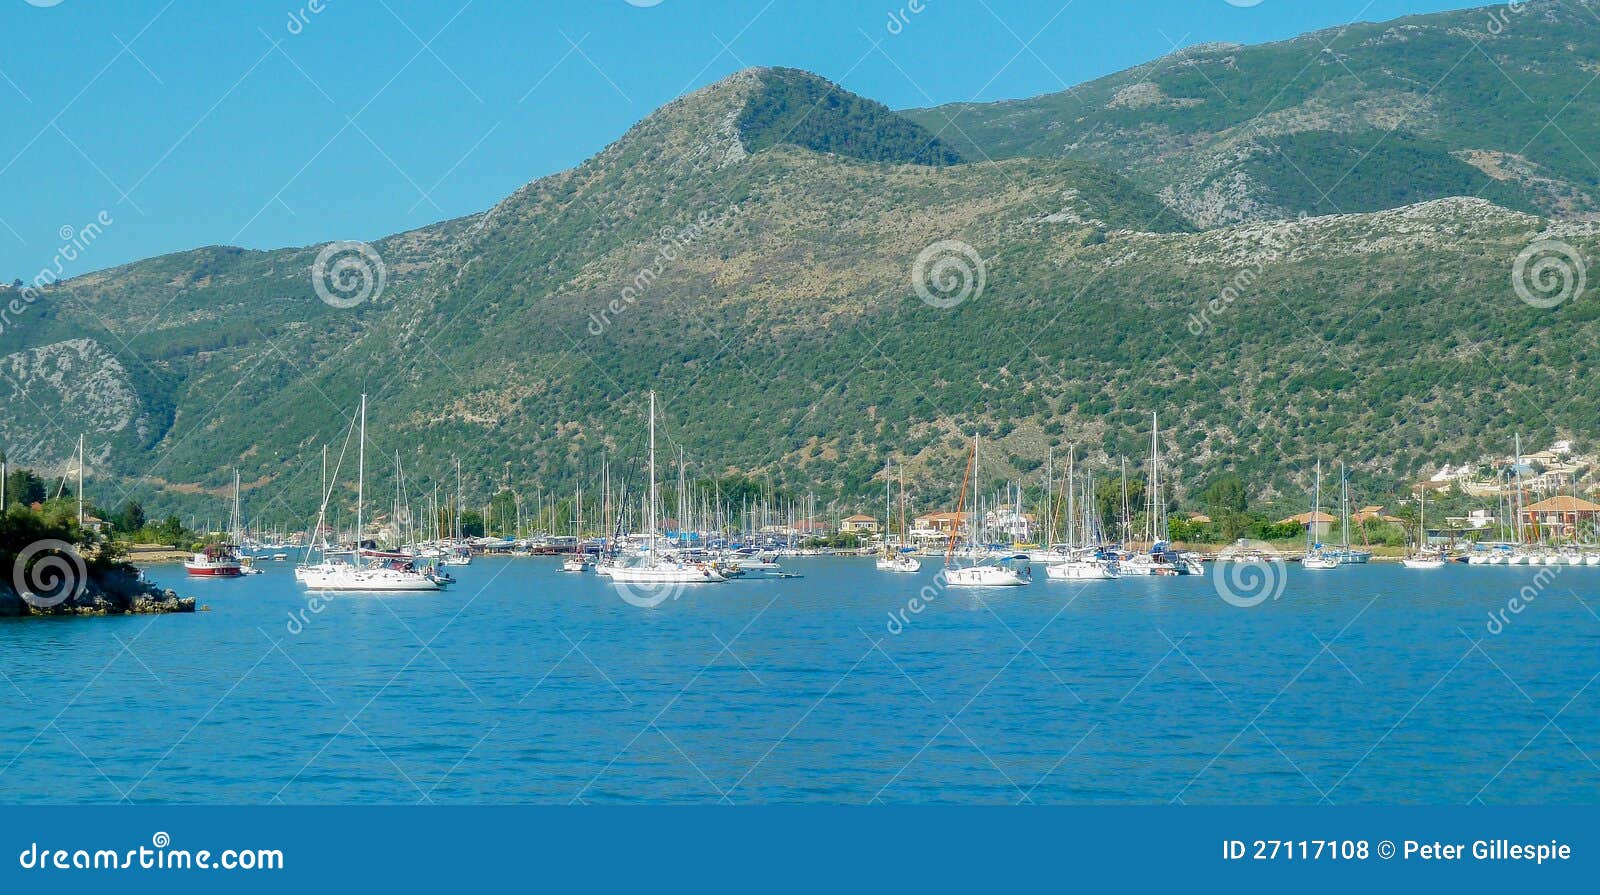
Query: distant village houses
x,y
1563,516
861,523
1321,523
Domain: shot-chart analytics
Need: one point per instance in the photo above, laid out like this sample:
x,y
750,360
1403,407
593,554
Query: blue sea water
x,y
1370,684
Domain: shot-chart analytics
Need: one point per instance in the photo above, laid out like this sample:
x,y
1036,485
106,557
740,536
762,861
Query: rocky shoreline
x,y
105,594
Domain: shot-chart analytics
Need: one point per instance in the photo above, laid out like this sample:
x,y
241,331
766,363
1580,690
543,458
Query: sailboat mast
x,y
1316,505
972,543
902,506
1049,485
1072,497
1153,498
651,525
361,473
1126,523
80,480
1422,520
1516,467
1344,504
886,510
961,499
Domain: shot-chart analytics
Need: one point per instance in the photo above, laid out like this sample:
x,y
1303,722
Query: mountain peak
x,y
761,108
798,108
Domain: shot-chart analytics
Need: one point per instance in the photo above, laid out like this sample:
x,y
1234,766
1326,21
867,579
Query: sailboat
x,y
898,560
1161,558
1082,562
459,554
577,560
979,574
380,575
1316,559
1422,559
1346,552
654,567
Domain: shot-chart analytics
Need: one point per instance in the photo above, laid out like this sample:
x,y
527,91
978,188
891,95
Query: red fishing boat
x,y
215,561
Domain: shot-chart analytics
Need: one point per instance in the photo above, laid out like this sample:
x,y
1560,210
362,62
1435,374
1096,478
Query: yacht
x,y
1424,558
1161,560
751,559
1087,566
215,561
1319,562
655,567
998,575
222,560
379,573
1064,562
1002,573
379,577
899,561
1317,559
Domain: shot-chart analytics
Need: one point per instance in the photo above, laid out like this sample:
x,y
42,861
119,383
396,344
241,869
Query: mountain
x,y
814,287
1489,102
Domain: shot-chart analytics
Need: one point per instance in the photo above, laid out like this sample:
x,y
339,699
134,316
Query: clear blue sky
x,y
186,125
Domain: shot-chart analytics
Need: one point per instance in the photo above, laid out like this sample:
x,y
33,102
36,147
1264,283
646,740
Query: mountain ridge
x,y
770,297
1190,124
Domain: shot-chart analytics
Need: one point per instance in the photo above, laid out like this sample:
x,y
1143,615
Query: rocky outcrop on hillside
x,y
78,380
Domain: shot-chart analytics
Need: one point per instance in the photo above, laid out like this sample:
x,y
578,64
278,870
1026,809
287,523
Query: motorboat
x,y
215,561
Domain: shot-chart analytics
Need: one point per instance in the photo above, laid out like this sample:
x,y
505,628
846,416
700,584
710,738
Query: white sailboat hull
x,y
666,573
349,578
1081,570
984,576
901,563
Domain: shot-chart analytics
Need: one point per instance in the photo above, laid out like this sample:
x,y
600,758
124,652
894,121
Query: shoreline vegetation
x,y
55,566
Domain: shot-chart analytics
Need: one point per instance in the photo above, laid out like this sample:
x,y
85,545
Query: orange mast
x,y
960,502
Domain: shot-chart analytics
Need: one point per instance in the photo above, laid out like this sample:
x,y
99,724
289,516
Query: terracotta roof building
x,y
1320,523
860,522
1561,516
